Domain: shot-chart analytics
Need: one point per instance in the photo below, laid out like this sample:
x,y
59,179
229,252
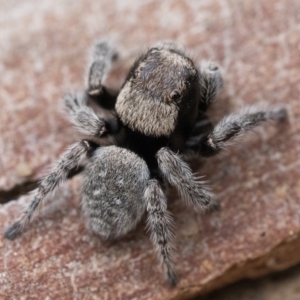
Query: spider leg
x,y
159,223
170,45
179,174
68,160
103,54
211,83
232,127
83,117
202,126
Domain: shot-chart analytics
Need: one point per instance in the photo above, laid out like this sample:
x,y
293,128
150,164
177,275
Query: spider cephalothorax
x,y
161,89
135,139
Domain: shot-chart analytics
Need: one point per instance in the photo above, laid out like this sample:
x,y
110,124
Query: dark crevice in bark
x,y
28,186
17,191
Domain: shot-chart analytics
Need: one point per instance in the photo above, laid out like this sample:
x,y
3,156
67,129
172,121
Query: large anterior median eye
x,y
175,95
193,72
135,74
152,50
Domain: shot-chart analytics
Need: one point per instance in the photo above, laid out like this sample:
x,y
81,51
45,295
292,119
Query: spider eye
x,y
193,72
213,67
154,49
135,74
175,95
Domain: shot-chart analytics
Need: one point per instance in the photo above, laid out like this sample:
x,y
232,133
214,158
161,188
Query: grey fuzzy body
x,y
114,183
135,141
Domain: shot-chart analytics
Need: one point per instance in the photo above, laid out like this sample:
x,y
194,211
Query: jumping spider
x,y
135,139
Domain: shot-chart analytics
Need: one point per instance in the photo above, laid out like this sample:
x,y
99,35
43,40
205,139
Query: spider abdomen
x,y
114,184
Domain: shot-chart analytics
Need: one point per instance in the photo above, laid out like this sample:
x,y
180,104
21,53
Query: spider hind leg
x,y
68,161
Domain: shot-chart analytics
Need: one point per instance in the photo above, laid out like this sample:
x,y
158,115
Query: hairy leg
x,y
179,174
170,45
203,125
211,83
83,117
159,223
103,54
231,127
68,161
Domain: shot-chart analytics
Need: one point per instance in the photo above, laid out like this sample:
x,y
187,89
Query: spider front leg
x,y
68,161
202,126
159,223
83,117
179,174
231,127
211,83
103,54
